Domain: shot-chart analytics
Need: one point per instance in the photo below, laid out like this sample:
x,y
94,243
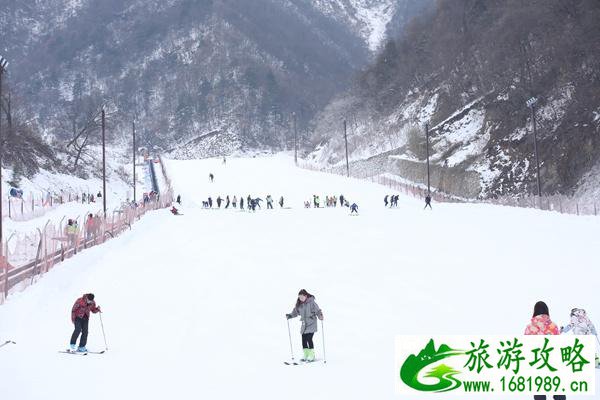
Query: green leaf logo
x,y
414,364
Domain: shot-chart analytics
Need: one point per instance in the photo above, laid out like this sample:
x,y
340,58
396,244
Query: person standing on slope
x,y
309,311
428,202
227,202
541,324
354,208
269,202
281,202
219,201
234,201
581,325
80,316
385,200
241,202
211,177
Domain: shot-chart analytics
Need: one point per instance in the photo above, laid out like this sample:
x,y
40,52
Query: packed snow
x,y
45,181
194,305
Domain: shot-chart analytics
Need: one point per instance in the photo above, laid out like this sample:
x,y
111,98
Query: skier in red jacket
x,y
80,316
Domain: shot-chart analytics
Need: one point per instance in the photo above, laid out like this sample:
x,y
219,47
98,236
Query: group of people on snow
x,y
541,324
92,227
391,200
310,313
89,198
250,203
330,201
148,197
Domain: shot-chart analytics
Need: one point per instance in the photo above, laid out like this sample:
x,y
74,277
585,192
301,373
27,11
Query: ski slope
x,y
194,305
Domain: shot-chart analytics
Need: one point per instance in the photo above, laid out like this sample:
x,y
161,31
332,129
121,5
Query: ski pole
x,y
323,335
103,334
290,335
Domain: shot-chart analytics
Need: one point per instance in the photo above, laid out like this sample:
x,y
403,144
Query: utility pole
x,y
295,139
531,104
103,163
134,156
346,140
428,175
3,64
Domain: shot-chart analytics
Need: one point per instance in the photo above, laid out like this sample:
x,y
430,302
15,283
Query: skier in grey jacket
x,y
309,311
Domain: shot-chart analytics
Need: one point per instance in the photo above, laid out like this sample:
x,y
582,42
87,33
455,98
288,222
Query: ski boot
x,y
72,348
82,349
311,355
305,358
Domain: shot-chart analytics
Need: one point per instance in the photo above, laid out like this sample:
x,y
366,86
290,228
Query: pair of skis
x,y
301,362
81,353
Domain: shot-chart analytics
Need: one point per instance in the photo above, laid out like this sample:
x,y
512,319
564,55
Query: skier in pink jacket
x,y
541,324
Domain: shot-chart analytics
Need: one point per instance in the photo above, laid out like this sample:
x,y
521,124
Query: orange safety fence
x,y
30,205
24,258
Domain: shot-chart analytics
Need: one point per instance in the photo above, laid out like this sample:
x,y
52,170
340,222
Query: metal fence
x,y
557,203
30,206
24,258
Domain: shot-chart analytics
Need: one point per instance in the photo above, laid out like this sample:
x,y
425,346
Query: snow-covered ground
x,y
194,305
45,181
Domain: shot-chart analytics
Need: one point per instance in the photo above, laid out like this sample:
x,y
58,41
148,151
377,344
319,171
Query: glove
x,y
288,316
99,310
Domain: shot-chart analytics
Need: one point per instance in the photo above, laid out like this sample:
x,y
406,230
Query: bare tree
x,y
82,119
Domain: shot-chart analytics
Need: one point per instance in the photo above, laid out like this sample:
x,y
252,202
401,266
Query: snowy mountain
x,y
373,20
231,71
369,18
467,69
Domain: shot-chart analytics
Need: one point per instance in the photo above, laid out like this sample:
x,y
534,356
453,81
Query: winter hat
x,y
578,312
90,296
